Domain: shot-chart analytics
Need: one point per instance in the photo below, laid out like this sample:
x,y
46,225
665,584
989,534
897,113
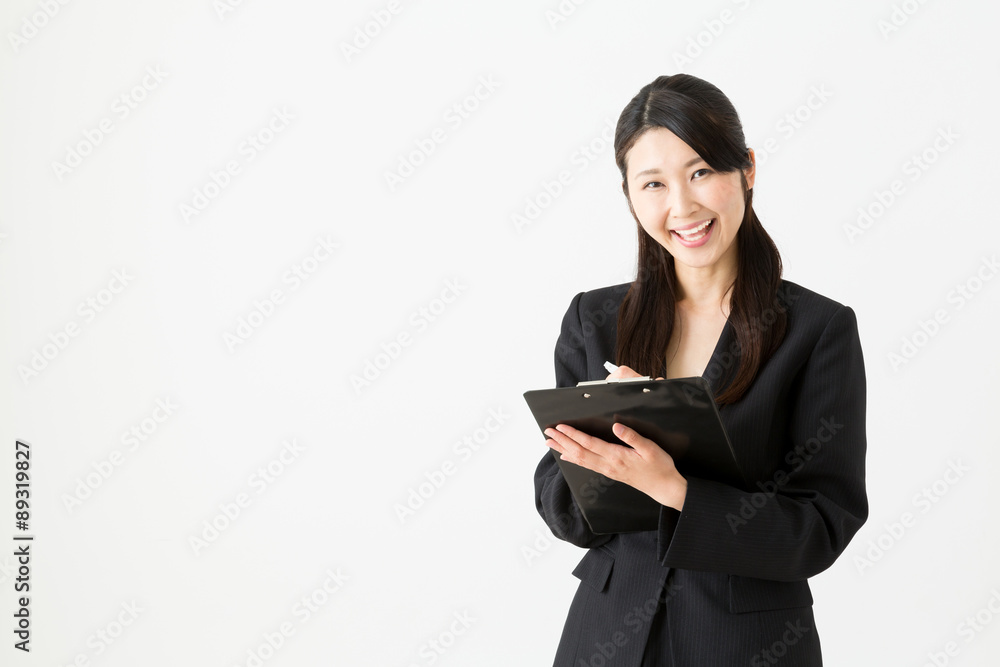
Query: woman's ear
x,y
751,172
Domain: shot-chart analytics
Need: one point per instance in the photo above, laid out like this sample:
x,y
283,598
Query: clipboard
x,y
679,414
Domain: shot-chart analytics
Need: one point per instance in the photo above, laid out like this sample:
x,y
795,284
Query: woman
x,y
722,581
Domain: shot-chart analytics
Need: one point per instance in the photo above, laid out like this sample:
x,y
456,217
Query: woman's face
x,y
689,208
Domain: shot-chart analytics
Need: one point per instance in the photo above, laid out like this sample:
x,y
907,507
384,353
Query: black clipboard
x,y
679,414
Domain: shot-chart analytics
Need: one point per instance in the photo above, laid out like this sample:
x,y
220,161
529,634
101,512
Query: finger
x,y
560,451
624,372
562,442
558,441
641,444
570,447
585,444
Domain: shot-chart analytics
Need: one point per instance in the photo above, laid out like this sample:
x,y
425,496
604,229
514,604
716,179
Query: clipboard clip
x,y
638,379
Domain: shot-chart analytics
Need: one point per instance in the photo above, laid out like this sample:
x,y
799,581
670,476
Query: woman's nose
x,y
680,201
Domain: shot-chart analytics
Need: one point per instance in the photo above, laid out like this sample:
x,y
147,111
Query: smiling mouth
x,y
694,233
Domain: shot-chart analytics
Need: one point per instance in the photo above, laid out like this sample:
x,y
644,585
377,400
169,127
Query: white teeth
x,y
695,233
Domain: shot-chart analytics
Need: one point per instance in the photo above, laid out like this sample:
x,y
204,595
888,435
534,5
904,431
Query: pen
x,y
610,366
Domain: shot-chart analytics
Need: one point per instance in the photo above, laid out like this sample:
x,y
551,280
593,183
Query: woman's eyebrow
x,y
656,170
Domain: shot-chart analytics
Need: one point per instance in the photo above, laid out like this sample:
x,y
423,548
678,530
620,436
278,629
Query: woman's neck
x,y
705,289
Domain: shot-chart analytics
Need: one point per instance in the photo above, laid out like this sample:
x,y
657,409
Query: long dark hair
x,y
703,118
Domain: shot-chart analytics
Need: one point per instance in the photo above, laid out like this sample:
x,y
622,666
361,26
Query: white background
x,y
476,546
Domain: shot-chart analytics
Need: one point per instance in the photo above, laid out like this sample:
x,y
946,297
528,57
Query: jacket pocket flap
x,y
595,568
750,594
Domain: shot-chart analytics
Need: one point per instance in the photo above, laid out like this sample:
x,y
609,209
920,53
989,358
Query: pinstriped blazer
x,y
724,582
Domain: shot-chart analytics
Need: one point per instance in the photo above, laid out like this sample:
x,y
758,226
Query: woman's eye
x,y
702,171
654,184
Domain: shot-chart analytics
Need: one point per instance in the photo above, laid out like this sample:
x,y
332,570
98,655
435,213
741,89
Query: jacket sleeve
x,y
552,496
796,523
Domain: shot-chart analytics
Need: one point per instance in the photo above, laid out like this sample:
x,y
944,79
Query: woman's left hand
x,y
645,466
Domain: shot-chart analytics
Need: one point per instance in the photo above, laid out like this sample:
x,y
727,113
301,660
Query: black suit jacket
x,y
723,582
